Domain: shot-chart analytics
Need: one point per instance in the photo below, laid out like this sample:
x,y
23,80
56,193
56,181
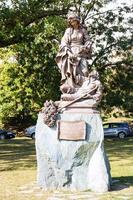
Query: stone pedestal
x,y
73,165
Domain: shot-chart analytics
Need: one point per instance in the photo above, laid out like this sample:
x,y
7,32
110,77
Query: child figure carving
x,y
91,90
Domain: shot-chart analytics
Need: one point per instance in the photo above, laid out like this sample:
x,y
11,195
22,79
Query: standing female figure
x,y
72,57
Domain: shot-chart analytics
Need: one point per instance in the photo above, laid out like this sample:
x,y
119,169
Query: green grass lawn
x,y
18,172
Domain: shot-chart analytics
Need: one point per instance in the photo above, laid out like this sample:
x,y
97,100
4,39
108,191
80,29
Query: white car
x,y
30,132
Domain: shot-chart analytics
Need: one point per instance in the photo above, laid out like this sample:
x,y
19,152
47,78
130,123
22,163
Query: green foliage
x,y
118,92
25,85
17,18
33,26
112,56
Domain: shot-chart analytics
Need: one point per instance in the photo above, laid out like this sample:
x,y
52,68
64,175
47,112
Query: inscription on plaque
x,y
71,130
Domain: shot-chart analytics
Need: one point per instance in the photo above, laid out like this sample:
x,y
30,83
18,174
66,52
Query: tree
x,y
18,17
27,84
111,32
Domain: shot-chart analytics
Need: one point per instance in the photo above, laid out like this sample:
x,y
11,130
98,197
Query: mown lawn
x,y
18,172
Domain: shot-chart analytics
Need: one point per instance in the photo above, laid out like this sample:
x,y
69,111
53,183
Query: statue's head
x,y
73,18
94,74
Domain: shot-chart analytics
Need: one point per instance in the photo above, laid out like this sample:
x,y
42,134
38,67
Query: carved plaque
x,y
71,130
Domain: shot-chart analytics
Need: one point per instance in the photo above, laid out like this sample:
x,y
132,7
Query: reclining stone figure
x,y
90,89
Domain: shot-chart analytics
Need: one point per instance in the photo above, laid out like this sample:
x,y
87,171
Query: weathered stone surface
x,y
77,165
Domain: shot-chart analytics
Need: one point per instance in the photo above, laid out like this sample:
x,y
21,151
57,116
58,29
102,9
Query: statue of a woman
x,y
72,57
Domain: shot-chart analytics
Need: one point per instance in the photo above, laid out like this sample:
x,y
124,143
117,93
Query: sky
x,y
115,3
119,2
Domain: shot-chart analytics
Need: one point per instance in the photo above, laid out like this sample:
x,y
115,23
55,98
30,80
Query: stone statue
x,y
69,132
90,89
73,53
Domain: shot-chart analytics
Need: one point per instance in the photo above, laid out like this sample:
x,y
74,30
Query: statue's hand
x,y
84,49
67,97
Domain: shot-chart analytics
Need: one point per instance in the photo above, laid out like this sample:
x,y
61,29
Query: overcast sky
x,y
115,3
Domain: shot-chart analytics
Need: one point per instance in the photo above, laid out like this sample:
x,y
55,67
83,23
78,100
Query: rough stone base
x,y
76,165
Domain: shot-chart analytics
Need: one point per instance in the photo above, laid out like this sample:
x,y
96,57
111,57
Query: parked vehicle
x,y
117,129
30,132
5,134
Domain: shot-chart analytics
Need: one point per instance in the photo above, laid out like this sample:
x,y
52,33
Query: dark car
x,y
117,129
4,134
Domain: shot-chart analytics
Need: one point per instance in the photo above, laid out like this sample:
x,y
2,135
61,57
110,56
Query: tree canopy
x,y
28,31
18,16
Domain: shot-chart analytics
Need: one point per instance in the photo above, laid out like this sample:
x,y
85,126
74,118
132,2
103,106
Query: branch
x,y
102,52
91,6
27,21
100,13
10,41
127,64
44,14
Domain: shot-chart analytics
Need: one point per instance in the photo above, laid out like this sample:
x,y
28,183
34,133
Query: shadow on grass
x,y
128,180
118,149
120,183
17,153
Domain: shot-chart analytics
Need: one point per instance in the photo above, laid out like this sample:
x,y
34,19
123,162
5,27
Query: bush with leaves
x,y
26,84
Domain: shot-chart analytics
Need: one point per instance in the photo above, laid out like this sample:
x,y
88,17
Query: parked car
x,y
30,132
5,134
117,129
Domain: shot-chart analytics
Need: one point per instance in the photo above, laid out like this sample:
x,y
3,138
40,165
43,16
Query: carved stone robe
x,y
72,70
